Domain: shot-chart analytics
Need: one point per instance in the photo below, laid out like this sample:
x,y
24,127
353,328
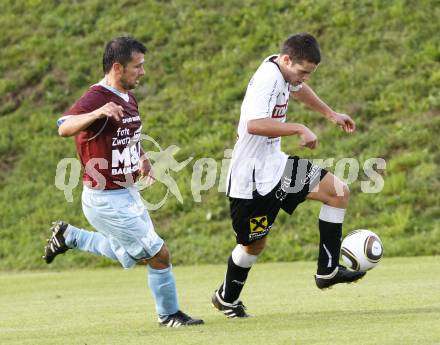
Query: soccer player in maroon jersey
x,y
107,127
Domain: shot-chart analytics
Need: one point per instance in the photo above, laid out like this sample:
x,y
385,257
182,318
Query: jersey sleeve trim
x,y
62,119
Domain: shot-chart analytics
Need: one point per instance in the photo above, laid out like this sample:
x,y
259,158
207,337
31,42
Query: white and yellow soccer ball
x,y
361,250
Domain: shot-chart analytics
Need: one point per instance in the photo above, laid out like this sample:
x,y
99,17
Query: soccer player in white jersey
x,y
262,179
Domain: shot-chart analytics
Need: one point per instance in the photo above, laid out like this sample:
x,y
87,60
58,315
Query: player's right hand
x,y
308,138
110,109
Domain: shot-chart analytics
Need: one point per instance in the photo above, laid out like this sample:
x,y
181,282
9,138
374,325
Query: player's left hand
x,y
344,121
146,169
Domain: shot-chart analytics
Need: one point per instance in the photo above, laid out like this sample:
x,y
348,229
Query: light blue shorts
x,y
121,217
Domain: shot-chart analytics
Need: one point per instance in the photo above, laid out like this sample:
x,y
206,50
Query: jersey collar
x,y
124,96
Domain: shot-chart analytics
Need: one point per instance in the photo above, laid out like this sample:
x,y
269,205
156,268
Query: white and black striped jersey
x,y
257,161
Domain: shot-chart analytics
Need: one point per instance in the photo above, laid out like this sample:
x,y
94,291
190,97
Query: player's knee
x,y
161,260
242,258
255,248
163,255
340,196
345,193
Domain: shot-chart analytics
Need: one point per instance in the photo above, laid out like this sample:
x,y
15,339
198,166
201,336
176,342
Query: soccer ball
x,y
361,250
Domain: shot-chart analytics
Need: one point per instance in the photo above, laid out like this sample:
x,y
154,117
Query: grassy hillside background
x,y
380,65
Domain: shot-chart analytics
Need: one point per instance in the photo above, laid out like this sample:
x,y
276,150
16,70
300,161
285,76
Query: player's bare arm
x,y
75,124
310,99
273,128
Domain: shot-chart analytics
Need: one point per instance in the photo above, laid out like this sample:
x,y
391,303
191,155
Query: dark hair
x,y
120,50
301,47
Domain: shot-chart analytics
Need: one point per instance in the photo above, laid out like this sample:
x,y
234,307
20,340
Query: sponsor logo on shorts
x,y
312,175
259,227
258,224
282,192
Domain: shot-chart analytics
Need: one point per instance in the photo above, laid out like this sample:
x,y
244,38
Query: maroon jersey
x,y
109,150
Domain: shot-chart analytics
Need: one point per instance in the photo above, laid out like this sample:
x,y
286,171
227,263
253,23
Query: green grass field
x,y
397,303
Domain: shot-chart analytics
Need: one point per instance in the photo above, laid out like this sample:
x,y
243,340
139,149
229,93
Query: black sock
x,y
234,282
329,246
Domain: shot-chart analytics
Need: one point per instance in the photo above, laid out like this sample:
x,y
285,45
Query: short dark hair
x,y
302,46
120,49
